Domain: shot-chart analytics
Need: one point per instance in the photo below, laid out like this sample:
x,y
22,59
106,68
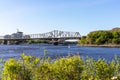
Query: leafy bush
x,y
69,68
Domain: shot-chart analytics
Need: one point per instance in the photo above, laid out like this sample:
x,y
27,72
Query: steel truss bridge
x,y
55,36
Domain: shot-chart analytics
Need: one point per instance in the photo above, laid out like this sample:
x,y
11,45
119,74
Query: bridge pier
x,y
5,42
55,41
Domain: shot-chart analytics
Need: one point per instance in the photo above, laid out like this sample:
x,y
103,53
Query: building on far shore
x,y
17,35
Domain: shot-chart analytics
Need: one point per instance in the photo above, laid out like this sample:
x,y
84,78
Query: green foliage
x,y
19,69
36,41
89,67
62,69
83,40
69,68
103,70
102,37
12,70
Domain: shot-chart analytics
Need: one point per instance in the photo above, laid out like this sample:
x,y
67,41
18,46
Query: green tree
x,y
83,40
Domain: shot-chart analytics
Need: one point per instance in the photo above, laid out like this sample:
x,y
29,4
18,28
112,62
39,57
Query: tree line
x,y
101,37
36,41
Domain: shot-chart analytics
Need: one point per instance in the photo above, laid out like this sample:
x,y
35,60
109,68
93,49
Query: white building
x,y
17,35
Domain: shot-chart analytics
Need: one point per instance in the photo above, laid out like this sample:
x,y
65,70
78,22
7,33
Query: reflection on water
x,y
7,51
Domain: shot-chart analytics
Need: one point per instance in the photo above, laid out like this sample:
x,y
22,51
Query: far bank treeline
x,y
102,37
36,41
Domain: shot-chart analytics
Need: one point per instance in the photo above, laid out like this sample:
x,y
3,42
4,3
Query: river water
x,y
7,51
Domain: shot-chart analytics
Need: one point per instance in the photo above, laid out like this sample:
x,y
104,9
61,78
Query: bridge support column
x,y
55,41
5,42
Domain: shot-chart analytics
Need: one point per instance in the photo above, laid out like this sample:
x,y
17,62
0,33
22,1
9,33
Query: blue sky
x,y
39,16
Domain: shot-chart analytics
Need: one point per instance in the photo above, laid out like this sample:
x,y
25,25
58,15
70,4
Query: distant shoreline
x,y
104,45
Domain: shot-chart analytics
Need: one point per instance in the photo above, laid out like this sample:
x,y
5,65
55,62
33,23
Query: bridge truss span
x,y
56,34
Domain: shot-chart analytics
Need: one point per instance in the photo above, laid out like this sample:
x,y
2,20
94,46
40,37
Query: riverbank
x,y
104,45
